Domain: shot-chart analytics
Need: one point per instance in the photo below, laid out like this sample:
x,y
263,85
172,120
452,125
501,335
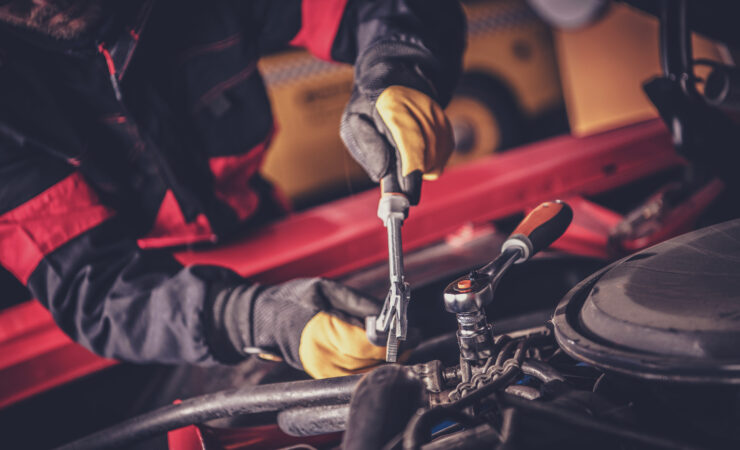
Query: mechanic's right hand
x,y
402,130
314,324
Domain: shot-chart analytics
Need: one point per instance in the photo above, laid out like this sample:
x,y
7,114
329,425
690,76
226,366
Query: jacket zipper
x,y
111,70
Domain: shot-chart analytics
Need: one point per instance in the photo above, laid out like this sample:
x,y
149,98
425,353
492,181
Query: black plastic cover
x,y
670,312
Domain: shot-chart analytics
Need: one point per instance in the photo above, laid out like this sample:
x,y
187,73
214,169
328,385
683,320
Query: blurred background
x,y
532,69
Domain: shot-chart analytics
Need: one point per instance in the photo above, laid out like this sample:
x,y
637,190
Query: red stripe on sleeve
x,y
42,224
319,25
170,228
231,176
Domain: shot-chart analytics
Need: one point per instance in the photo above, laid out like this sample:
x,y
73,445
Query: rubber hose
x,y
228,403
313,421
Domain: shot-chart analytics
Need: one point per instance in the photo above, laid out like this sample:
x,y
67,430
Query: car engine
x,y
640,354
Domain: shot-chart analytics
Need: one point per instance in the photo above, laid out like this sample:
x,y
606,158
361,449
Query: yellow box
x,y
603,67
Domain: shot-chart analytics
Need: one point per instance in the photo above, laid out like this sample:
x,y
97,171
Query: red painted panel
x,y
47,370
185,438
20,319
588,234
346,235
262,437
681,219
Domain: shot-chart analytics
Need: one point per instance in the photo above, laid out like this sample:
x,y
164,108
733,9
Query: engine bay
x,y
535,387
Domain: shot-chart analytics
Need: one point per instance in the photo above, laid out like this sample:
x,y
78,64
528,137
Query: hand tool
x,y
468,296
393,209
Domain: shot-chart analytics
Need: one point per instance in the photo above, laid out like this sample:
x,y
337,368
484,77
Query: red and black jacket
x,y
150,134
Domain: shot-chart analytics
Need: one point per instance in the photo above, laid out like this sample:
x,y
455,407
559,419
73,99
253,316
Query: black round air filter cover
x,y
669,312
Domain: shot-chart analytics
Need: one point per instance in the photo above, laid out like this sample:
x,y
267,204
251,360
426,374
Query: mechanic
x,y
129,127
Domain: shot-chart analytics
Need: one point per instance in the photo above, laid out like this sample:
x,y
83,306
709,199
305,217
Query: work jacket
x,y
147,133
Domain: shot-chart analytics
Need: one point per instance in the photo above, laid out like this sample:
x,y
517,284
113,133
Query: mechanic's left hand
x,y
314,324
403,129
333,342
333,347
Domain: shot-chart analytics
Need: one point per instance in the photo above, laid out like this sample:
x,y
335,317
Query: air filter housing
x,y
670,312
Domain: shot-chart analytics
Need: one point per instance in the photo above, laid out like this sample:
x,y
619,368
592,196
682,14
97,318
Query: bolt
x,y
464,285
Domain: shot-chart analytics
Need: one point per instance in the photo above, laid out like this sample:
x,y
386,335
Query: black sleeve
x,y
273,24
392,41
76,257
426,35
126,303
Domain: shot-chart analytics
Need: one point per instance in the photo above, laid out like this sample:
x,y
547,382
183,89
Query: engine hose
x,y
527,392
541,370
228,403
313,421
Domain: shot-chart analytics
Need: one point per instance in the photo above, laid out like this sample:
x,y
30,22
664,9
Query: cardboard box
x,y
603,67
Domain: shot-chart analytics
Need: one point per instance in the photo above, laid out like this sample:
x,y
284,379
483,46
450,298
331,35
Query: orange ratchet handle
x,y
543,226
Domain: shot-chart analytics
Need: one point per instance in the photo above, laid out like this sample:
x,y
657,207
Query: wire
x,y
504,351
597,383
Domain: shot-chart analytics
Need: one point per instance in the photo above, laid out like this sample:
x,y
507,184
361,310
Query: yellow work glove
x,y
315,324
332,347
404,130
404,77
418,129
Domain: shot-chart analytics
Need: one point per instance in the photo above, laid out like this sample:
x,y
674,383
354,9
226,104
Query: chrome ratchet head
x,y
468,293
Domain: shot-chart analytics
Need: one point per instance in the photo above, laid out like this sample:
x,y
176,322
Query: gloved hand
x,y
392,121
315,324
